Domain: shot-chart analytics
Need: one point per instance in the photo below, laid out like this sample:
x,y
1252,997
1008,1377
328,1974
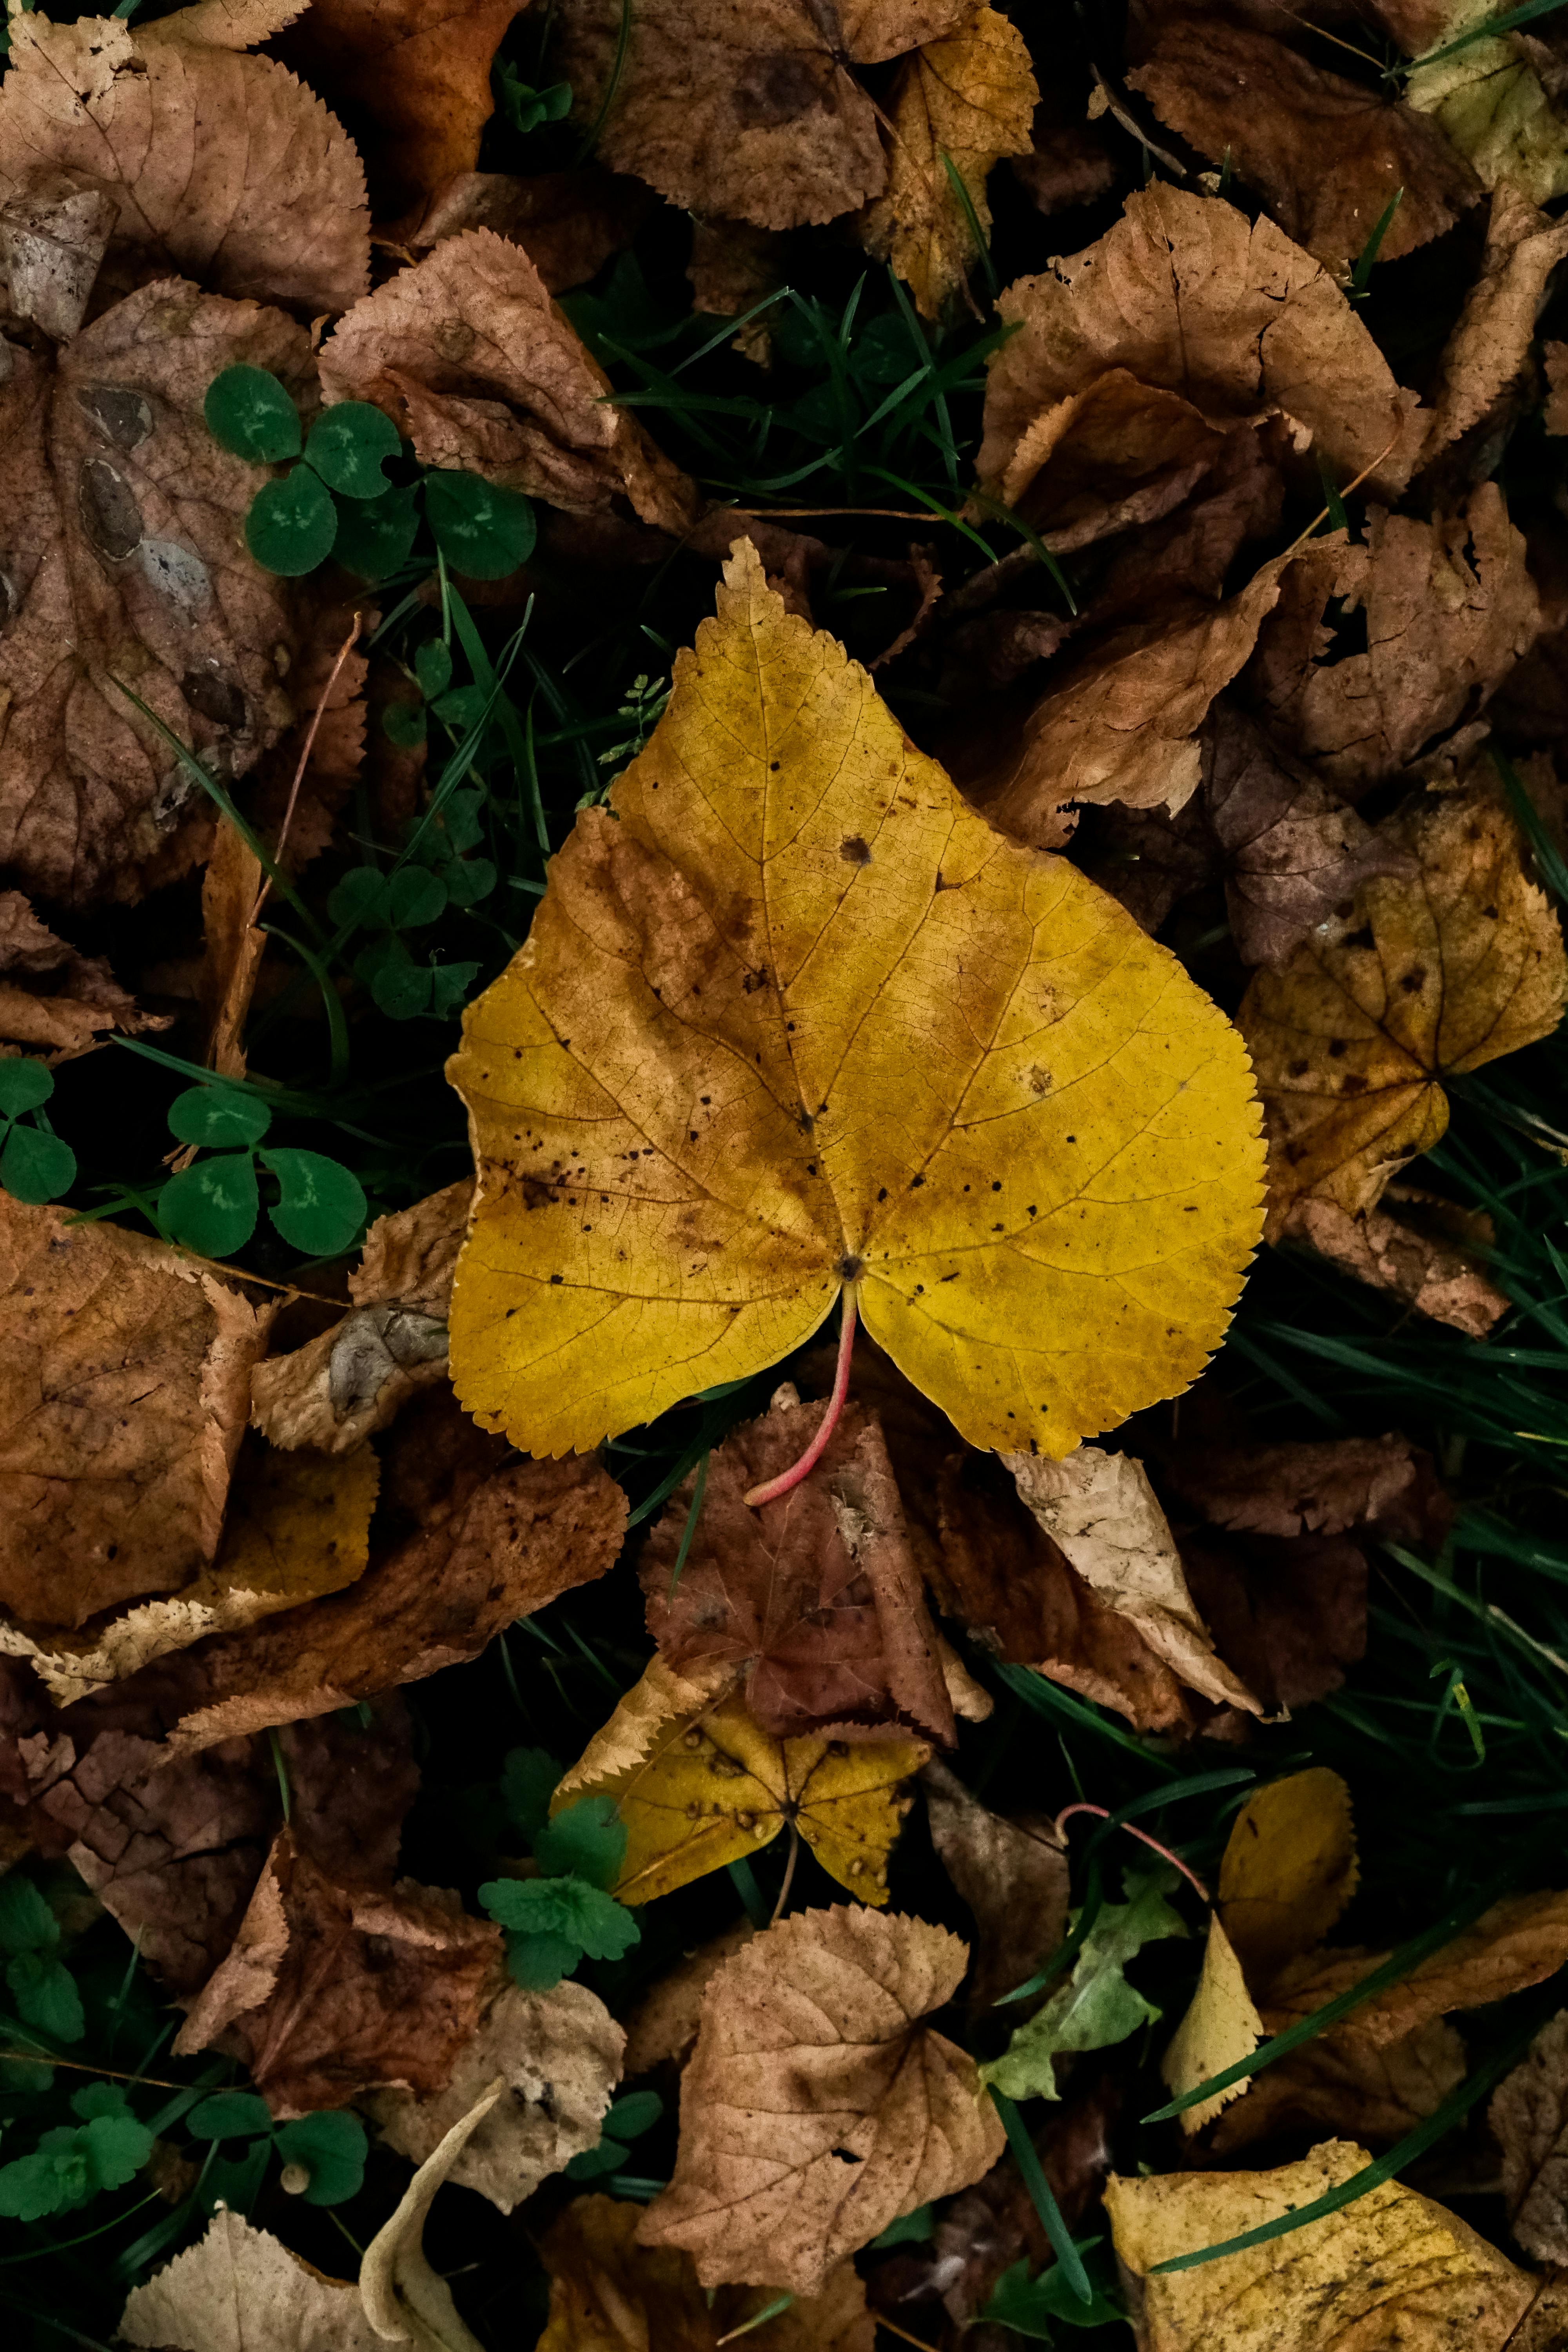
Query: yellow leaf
x,y
1423,976
710,1787
1289,1870
1494,107
970,98
1221,2026
1388,2272
793,1019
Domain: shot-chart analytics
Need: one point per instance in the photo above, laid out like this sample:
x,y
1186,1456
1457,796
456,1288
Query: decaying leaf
x,y
55,1003
412,1254
410,79
708,1786
1450,608
222,169
1234,90
1485,367
722,1090
569,223
124,1372
294,1529
753,115
1185,292
663,2026
239,2289
404,2298
559,2057
119,532
471,359
351,1380
233,945
1221,2027
336,1987
1012,1874
1095,2007
607,2293
816,1598
960,103
1389,2268
1397,1250
734,267
1529,2118
815,2107
1289,1870
1351,1039
1102,1511
52,243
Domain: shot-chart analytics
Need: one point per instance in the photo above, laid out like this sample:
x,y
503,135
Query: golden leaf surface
x,y
1289,1869
791,1018
1438,973
711,1787
1221,2025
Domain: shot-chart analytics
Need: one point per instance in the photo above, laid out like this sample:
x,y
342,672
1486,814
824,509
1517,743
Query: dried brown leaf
x,y
121,540
335,1986
1529,2118
221,167
1012,1874
471,359
568,223
1484,373
350,1380
663,2026
559,2057
55,1003
1351,1039
735,266
239,2289
816,1597
52,242
811,2045
1386,1248
411,1254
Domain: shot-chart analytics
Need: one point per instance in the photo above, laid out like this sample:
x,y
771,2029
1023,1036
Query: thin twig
x,y
306,749
1102,1812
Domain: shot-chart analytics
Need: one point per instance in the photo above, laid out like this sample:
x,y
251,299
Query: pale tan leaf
x,y
404,2298
1221,2025
239,2289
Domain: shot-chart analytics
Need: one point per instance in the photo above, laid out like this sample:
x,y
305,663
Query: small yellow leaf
x,y
1221,2026
711,1787
1289,1870
967,100
792,1019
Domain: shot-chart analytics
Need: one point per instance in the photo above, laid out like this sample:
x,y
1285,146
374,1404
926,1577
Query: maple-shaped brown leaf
x,y
221,167
53,1002
124,1379
409,79
1374,653
816,2107
754,114
121,532
1528,2119
471,360
1234,89
1351,1039
339,1985
816,1597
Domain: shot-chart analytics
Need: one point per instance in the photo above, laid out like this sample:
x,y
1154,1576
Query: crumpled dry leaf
x,y
1102,1512
239,2289
1221,2026
404,2298
1389,2269
412,1254
124,1372
1447,608
351,1380
730,1065
54,1002
607,2293
1289,1870
410,81
663,2026
1378,2091
1517,1943
1114,454
471,1544
1528,2119
472,362
52,243
1185,292
708,1787
336,1987
816,2108
233,945
1392,1248
568,223
1351,1039
960,103
750,114
119,530
1012,1874
1484,373
734,267
222,167
816,1598
293,1531
994,1566
559,2055
1236,93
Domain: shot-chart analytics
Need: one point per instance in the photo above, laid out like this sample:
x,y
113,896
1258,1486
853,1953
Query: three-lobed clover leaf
x,y
480,528
348,446
248,413
35,1165
213,1205
292,523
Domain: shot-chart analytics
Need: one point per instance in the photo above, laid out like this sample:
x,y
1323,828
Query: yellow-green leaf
x,y
1289,1869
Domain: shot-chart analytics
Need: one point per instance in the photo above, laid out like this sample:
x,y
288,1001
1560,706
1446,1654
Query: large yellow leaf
x,y
710,1787
793,1019
1289,1870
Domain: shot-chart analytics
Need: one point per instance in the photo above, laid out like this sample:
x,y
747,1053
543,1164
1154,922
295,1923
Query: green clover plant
x,y
213,1205
322,2154
35,1165
627,2119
